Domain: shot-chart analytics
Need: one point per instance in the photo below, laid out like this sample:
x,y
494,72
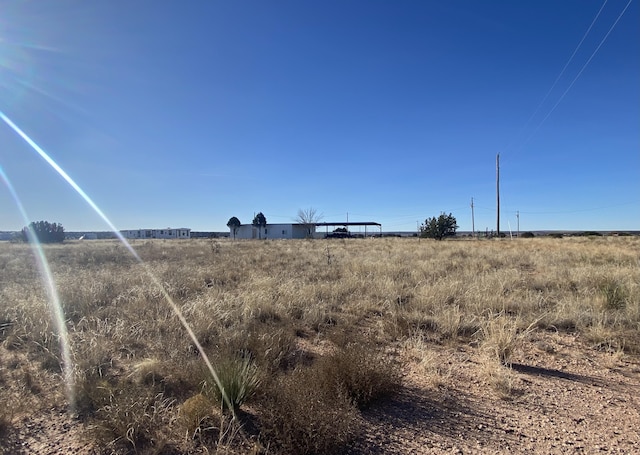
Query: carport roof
x,y
349,223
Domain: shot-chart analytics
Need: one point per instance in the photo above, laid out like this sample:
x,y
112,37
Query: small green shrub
x,y
239,379
527,235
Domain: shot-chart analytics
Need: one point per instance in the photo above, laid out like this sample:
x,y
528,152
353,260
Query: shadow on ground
x,y
417,417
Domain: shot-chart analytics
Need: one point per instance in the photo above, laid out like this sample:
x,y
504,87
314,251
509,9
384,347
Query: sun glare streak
x,y
55,308
68,179
120,237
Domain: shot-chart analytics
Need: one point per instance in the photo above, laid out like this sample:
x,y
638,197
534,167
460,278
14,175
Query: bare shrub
x,y
360,372
301,415
194,414
134,419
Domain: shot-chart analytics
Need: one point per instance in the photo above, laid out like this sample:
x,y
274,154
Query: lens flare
x,y
156,281
55,308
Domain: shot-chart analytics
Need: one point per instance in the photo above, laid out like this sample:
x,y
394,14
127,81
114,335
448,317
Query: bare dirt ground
x,y
565,397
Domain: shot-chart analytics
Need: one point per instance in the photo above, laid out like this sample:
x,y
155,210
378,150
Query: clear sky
x,y
185,114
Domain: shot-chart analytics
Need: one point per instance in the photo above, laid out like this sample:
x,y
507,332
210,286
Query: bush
x,y
133,419
527,235
439,228
194,412
363,374
44,231
302,416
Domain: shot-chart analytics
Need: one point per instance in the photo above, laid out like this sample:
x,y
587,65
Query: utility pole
x,y
518,217
473,222
498,195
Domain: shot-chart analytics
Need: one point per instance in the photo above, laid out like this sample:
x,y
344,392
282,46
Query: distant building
x,y
168,233
273,231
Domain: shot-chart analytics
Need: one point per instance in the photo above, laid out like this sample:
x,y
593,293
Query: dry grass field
x,y
340,346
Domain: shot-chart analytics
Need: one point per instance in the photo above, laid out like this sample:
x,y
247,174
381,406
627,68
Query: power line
x,y
575,51
580,72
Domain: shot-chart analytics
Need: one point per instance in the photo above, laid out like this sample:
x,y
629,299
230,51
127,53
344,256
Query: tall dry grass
x,y
286,308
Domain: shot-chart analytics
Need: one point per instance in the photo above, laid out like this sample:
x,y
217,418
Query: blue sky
x,y
184,114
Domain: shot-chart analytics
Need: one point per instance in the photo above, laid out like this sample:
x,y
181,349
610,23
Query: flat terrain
x,y
523,346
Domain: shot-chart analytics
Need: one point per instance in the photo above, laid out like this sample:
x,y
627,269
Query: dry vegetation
x,y
308,337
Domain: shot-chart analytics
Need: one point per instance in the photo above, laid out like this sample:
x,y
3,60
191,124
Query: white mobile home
x,y
168,233
273,231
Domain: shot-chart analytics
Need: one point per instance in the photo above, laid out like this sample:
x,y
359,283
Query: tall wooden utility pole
x,y
473,222
518,216
498,195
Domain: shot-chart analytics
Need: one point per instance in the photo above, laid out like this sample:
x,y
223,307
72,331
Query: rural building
x,y
168,233
300,231
273,231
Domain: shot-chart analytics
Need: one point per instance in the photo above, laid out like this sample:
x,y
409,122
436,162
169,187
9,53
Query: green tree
x,y
439,228
44,232
259,221
233,224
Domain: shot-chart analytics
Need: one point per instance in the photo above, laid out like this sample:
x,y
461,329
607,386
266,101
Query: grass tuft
x,y
501,337
239,379
195,413
614,294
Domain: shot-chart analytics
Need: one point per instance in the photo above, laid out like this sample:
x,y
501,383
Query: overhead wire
x,y
579,72
566,65
566,91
